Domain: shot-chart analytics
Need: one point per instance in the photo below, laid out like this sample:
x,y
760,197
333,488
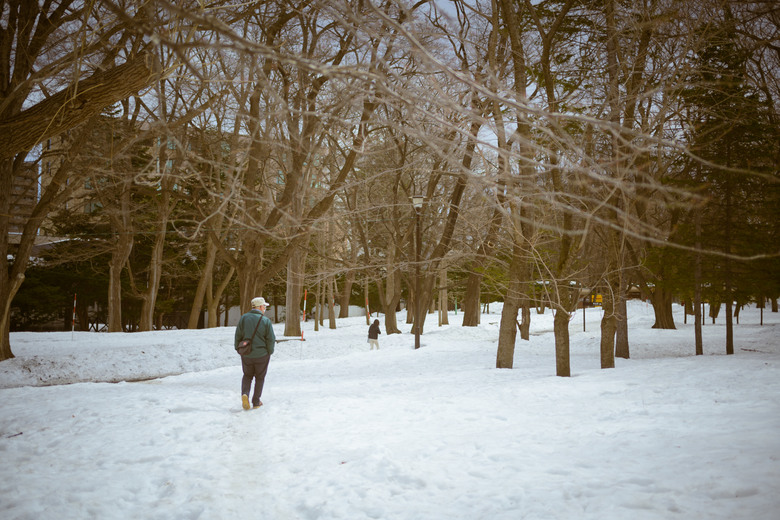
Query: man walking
x,y
255,325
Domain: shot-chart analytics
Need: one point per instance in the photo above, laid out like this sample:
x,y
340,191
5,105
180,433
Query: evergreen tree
x,y
734,141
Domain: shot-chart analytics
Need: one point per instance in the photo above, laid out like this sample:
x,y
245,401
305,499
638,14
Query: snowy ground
x,y
438,433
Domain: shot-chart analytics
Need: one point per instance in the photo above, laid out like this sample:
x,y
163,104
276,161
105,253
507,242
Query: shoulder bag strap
x,y
256,326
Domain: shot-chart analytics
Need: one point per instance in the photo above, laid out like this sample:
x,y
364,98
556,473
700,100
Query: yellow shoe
x,y
245,402
260,403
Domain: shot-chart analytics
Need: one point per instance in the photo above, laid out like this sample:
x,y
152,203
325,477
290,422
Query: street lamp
x,y
417,202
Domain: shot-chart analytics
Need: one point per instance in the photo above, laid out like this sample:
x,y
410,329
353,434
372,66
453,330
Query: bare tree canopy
x,y
562,148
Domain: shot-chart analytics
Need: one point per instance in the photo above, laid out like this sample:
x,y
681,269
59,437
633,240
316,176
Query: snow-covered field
x,y
437,433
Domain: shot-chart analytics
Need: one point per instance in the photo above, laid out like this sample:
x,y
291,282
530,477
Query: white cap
x,y
259,302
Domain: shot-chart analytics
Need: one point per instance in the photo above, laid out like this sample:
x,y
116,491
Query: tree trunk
x,y
688,305
318,305
123,246
367,309
115,266
7,292
525,323
443,299
247,284
346,293
697,289
445,320
561,331
331,305
505,355
621,339
391,323
471,299
212,310
439,307
426,297
662,307
608,328
8,286
203,282
390,297
389,293
525,300
321,302
714,309
608,319
149,298
729,328
507,333
698,321
295,274
411,304
82,314
212,300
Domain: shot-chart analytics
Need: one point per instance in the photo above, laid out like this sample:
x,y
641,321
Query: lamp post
x,y
417,202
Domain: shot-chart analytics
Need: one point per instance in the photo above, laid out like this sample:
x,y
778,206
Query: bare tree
x,y
87,73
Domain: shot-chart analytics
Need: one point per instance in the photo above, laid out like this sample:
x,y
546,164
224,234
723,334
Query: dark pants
x,y
254,368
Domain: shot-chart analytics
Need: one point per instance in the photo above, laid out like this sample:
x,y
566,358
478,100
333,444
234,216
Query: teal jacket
x,y
264,339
